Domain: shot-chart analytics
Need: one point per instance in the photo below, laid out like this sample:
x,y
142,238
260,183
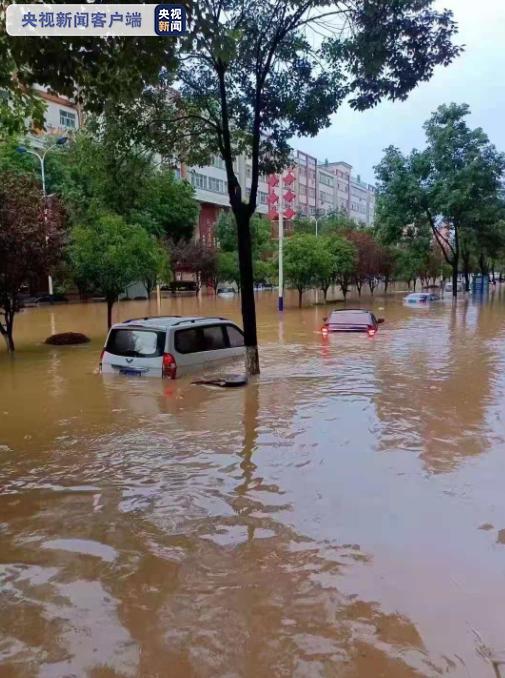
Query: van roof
x,y
163,322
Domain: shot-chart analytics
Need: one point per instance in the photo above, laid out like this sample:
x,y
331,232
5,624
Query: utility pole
x,y
281,247
41,158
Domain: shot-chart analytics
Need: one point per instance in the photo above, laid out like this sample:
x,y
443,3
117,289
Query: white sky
x,y
477,77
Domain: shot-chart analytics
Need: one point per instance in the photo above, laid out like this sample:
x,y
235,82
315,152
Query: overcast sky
x,y
477,77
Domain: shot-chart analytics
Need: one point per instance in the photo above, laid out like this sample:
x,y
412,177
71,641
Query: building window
x,y
312,192
303,189
327,181
263,197
218,162
67,119
217,185
199,180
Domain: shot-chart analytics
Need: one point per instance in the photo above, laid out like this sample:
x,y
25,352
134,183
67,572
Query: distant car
x,y
226,292
421,298
351,320
169,346
448,286
56,298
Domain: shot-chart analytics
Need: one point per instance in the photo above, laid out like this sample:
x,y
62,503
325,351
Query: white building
x,y
319,188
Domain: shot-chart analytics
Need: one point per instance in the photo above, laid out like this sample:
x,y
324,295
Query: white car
x,y
226,292
421,298
169,346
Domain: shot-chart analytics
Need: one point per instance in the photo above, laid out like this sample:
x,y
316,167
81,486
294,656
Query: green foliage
x,y
451,188
228,268
101,170
30,243
111,254
169,208
305,262
261,234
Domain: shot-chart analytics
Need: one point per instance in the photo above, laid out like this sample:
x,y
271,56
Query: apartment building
x,y
211,190
61,114
320,188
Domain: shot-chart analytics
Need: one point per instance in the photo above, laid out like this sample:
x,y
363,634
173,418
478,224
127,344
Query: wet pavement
x,y
343,515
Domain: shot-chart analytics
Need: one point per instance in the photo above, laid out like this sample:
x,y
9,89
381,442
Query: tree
x,y
196,258
251,79
111,254
228,268
451,187
169,206
261,235
388,264
303,265
90,71
367,265
105,169
31,242
345,258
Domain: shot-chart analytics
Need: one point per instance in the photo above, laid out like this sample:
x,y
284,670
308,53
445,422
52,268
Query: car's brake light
x,y
101,360
169,366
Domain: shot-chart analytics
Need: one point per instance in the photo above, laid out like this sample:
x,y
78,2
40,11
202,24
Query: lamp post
x,y
316,221
41,158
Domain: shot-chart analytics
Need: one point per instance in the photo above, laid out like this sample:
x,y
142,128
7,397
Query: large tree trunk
x,y
386,284
465,257
300,296
247,290
455,263
7,331
110,304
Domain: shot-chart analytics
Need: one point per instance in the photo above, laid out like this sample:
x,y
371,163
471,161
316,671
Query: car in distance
x,y
421,298
169,346
351,320
226,292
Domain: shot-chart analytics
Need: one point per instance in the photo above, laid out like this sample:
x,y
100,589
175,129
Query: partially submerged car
x,y
169,346
351,320
421,298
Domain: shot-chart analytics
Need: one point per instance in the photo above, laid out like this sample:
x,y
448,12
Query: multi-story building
x,y
320,188
61,114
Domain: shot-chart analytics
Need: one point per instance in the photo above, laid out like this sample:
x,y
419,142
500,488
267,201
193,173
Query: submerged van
x,y
169,346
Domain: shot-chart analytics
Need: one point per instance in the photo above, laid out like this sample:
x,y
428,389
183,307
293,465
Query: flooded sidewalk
x,y
342,515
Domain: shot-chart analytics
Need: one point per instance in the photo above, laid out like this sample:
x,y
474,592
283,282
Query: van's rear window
x,y
136,343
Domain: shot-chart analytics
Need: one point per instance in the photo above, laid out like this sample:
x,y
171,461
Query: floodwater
x,y
343,515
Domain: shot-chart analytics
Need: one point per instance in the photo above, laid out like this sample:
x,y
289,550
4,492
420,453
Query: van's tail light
x,y
371,331
169,366
101,360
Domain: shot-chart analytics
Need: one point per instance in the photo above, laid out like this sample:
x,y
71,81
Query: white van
x,y
169,346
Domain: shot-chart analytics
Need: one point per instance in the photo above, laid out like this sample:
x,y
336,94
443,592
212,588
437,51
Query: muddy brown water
x,y
343,515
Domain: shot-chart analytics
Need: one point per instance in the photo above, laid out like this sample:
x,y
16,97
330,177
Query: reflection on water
x,y
343,515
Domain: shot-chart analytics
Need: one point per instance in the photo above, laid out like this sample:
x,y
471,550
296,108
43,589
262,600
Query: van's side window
x,y
197,339
187,341
213,338
235,336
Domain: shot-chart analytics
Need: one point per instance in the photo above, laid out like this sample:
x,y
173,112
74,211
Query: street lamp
x,y
316,219
41,158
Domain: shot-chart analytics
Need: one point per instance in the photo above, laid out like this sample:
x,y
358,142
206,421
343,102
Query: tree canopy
x,y
31,242
110,254
451,188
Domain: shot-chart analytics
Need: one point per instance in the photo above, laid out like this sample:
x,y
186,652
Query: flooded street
x,y
343,515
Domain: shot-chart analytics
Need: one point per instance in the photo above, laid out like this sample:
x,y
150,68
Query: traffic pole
x,y
281,247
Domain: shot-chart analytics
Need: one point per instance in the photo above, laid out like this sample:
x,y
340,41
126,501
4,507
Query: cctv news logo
x,y
103,20
170,19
